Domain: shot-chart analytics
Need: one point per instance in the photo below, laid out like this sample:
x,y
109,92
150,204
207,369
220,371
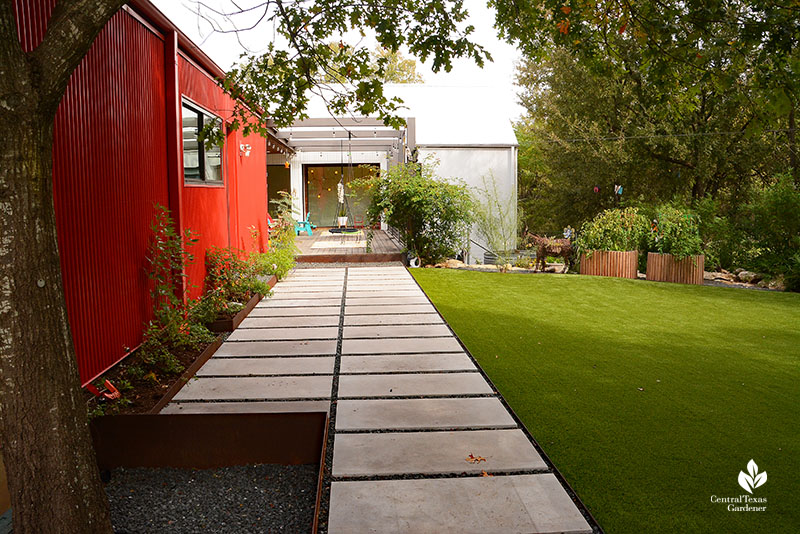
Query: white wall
x,y
314,158
472,165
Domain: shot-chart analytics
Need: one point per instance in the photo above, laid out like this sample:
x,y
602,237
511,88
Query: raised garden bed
x,y
610,263
147,396
666,268
147,453
229,324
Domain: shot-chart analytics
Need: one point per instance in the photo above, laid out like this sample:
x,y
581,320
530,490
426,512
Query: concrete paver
x,y
444,453
397,319
386,301
248,407
298,302
405,385
530,504
294,322
395,331
406,363
352,309
256,388
277,348
267,334
400,345
284,295
267,366
295,312
409,414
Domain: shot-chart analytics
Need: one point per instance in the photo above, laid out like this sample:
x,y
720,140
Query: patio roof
x,y
355,134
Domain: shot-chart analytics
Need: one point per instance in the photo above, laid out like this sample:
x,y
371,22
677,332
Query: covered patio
x,y
327,247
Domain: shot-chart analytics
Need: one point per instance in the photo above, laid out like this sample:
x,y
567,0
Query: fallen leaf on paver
x,y
485,474
474,459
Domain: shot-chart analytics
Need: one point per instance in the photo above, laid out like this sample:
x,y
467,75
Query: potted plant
x,y
609,243
674,247
342,217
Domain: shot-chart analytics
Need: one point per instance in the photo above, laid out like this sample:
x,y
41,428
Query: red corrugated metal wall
x,y
110,168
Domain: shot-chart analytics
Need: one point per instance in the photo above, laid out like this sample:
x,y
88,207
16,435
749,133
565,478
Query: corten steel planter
x,y
666,268
231,324
5,497
610,263
207,441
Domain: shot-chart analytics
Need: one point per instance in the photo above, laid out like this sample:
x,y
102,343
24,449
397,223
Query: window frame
x,y
203,116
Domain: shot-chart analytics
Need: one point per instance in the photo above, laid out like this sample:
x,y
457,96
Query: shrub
x,y
674,231
433,216
725,244
774,225
615,229
277,261
231,278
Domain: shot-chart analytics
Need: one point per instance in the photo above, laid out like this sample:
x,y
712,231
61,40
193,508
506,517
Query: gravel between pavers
x,y
243,499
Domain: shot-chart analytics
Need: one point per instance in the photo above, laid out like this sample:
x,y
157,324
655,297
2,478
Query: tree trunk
x,y
54,481
793,159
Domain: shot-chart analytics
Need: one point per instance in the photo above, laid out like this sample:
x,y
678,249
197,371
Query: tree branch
x,y
12,57
72,29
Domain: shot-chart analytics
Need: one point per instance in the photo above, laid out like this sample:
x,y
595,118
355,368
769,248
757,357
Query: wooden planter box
x,y
611,263
665,268
229,325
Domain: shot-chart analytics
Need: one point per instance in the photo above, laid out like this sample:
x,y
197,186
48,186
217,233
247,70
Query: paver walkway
x,y
411,407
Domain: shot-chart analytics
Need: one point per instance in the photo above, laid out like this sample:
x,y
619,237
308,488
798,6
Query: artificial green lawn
x,y
719,369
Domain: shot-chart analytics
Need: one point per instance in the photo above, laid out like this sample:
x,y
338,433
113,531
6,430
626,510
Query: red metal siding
x,y
109,168
109,171
252,194
32,20
220,216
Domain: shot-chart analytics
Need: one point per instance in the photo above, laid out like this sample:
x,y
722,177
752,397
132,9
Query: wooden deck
x,y
325,247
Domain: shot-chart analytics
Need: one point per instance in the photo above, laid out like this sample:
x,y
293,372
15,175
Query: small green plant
x,y
172,328
615,230
675,231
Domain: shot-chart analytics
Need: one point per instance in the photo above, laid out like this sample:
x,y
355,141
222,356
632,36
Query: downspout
x,y
174,132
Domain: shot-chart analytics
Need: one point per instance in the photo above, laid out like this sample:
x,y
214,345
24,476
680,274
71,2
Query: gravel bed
x,y
244,499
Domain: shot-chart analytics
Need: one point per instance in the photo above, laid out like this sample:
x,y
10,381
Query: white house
x,y
464,128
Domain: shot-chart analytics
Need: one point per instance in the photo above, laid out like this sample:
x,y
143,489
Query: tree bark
x,y
44,434
55,485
